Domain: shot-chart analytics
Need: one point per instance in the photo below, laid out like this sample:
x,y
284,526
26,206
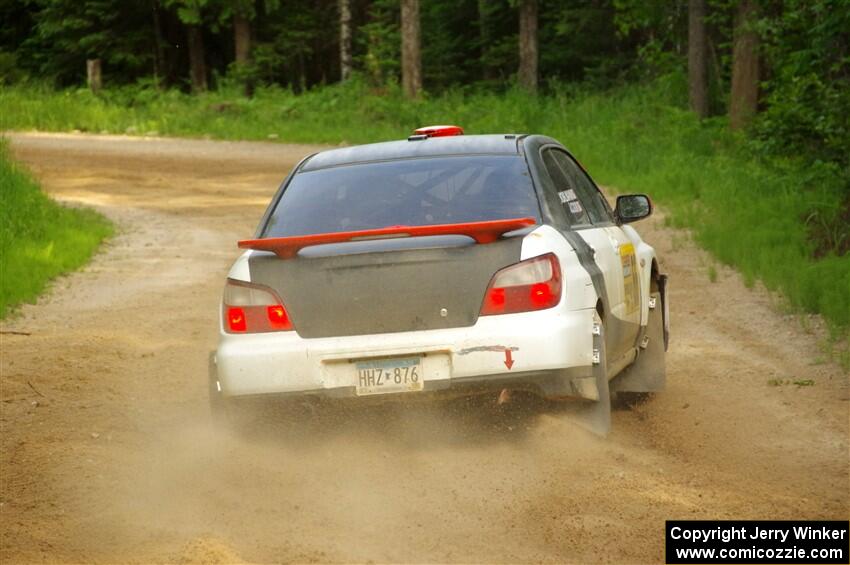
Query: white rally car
x,y
444,263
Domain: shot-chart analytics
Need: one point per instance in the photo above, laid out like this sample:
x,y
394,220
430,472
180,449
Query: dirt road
x,y
108,453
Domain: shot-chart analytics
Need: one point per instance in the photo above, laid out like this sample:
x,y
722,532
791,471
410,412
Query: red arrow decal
x,y
509,362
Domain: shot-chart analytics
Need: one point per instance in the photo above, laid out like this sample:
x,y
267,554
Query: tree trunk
x,y
344,39
157,41
411,58
743,102
93,74
197,64
484,40
716,71
697,58
242,38
528,45
242,43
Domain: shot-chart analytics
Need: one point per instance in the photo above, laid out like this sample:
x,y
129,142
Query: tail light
x,y
531,285
253,308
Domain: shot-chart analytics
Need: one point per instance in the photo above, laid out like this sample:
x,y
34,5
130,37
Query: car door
x,y
591,218
622,245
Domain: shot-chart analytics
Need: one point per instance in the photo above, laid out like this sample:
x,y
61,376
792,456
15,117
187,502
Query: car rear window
x,y
413,192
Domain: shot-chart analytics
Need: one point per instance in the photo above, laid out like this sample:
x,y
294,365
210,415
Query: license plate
x,y
382,376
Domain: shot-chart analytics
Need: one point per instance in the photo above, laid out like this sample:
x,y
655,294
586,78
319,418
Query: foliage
x,y
296,43
807,102
751,212
378,42
580,43
67,32
10,72
807,106
450,50
464,42
39,239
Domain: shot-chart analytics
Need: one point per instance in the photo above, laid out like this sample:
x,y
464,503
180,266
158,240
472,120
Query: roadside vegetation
x,y
39,238
775,219
733,114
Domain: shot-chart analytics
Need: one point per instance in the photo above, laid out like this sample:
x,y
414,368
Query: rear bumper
x,y
551,353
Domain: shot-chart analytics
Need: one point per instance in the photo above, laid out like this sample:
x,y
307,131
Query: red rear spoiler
x,y
481,232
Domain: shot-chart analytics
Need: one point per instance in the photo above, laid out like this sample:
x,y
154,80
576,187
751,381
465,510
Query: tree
x,y
452,53
484,39
197,57
243,13
411,58
189,14
528,45
697,58
94,76
242,38
344,39
158,41
743,101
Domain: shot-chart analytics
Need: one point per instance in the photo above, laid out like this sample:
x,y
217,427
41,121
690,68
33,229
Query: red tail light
x,y
236,320
253,308
534,284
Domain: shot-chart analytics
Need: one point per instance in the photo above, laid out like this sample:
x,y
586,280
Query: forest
x,y
783,60
733,113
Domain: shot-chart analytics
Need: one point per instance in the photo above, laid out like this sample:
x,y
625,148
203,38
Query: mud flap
x,y
595,416
665,308
648,373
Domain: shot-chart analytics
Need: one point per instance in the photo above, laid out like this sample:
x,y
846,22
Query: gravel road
x,y
108,453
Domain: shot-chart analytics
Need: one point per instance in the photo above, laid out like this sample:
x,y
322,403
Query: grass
x,y
751,213
39,239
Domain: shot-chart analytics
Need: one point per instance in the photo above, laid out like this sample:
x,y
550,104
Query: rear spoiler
x,y
481,232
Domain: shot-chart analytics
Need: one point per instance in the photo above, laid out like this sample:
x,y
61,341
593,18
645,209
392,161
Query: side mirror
x,y
632,207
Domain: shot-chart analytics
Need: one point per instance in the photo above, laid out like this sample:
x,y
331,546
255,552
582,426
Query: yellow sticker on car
x,y
631,287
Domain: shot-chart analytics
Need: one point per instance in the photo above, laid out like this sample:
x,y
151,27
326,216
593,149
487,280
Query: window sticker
x,y
567,195
575,207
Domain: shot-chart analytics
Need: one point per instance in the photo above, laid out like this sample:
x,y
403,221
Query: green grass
x,y
751,213
39,239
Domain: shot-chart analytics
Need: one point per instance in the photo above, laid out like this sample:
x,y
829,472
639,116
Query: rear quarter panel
x,y
578,292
